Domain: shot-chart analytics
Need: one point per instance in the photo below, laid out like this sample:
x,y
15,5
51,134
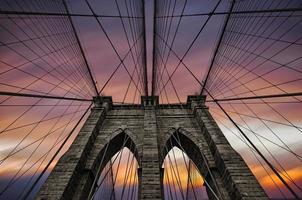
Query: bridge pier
x,y
151,131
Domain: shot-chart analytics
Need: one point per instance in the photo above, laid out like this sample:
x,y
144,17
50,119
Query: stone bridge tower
x,y
151,128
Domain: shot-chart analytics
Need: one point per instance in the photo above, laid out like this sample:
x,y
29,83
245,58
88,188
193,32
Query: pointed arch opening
x,y
119,178
184,153
116,169
181,178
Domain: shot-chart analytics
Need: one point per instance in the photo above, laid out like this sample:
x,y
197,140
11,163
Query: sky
x,y
259,54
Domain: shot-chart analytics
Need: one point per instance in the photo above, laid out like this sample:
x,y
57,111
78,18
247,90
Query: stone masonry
x,y
151,131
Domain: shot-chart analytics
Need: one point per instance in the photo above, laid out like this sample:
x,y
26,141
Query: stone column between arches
x,y
151,187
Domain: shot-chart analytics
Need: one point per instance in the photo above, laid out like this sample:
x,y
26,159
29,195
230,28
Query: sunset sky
x,y
260,54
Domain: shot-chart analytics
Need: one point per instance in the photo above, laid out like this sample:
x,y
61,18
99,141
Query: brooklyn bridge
x,y
151,99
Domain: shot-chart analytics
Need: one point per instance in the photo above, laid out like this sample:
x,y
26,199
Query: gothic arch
x,y
201,157
102,151
119,139
189,144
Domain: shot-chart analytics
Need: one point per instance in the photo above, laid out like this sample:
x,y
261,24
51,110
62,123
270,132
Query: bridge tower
x,y
152,130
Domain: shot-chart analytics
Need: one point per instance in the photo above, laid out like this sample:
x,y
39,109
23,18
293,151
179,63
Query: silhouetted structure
x,y
151,131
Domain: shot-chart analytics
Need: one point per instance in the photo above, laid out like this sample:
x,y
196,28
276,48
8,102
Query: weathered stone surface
x,y
150,131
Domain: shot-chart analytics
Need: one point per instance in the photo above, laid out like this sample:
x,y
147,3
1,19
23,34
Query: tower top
x,y
149,101
102,101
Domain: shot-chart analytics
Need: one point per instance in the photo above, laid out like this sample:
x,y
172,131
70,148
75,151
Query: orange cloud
x,y
294,173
